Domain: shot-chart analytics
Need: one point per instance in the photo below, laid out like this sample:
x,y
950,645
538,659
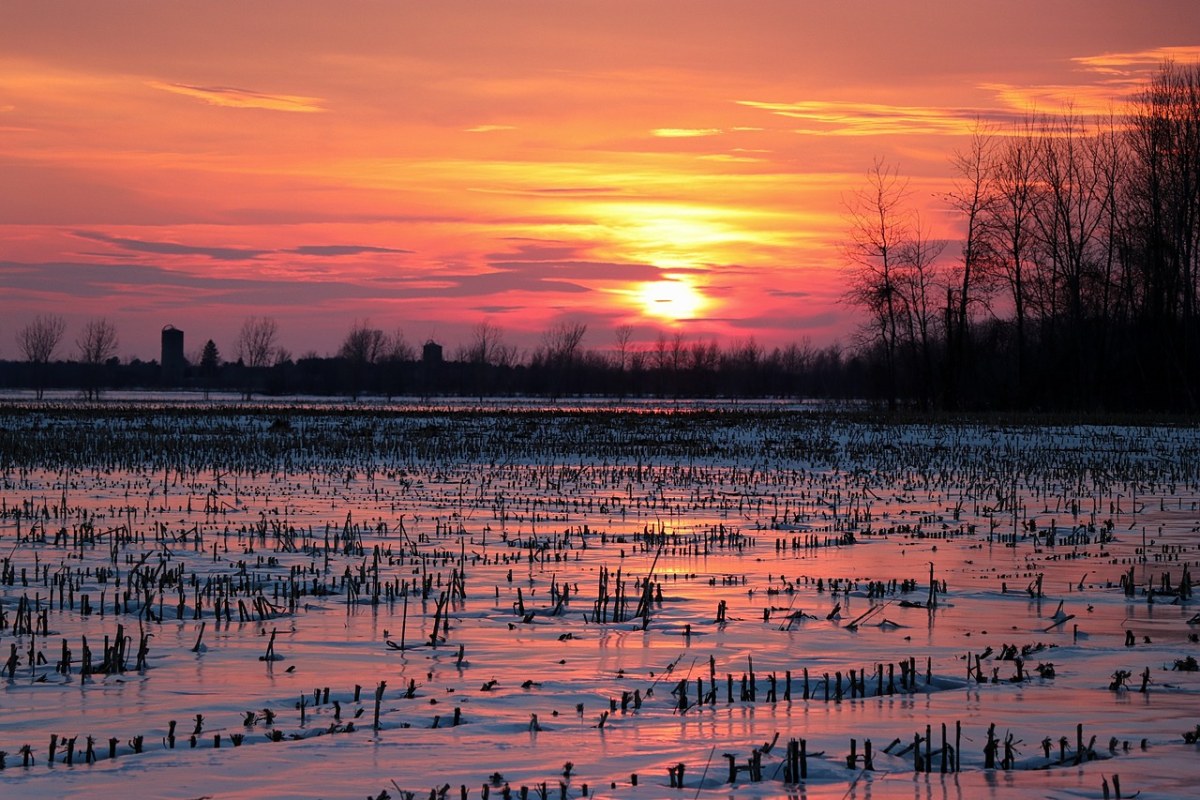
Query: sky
x,y
676,167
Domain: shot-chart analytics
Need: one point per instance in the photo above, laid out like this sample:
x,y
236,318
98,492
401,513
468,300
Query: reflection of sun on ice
x,y
673,299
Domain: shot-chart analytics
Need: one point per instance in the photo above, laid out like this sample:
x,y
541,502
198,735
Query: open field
x,y
314,601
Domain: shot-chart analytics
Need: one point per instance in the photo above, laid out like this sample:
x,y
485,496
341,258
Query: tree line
x,y
371,361
1074,282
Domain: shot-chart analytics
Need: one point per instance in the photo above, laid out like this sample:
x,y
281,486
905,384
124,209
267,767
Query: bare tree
x,y
1074,227
256,345
621,335
972,197
362,348
560,346
363,344
562,342
919,278
705,356
879,225
1162,207
37,341
97,343
399,349
256,348
661,352
487,346
1011,226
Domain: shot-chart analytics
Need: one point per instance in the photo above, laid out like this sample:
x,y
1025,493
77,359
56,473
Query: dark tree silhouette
x,y
37,341
97,343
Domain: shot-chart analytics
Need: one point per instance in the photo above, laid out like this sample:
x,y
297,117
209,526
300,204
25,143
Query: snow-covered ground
x,y
567,586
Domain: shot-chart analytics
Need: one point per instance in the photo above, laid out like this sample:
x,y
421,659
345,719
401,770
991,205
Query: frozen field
x,y
224,601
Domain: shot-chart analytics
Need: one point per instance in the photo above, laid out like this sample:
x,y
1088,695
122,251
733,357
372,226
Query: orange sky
x,y
666,165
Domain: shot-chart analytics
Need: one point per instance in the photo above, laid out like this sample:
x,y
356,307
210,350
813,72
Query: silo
x,y
172,356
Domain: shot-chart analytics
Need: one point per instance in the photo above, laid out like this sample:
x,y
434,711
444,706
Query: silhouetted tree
x,y
210,362
973,198
1011,228
362,347
879,225
97,343
37,341
1162,207
920,280
560,352
256,349
486,355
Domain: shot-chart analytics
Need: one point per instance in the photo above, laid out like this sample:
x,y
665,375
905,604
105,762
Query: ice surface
x,y
818,533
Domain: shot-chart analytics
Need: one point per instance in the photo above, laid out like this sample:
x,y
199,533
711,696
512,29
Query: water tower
x,y
172,356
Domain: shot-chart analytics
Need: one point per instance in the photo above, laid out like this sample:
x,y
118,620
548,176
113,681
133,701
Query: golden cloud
x,y
842,118
1139,61
685,133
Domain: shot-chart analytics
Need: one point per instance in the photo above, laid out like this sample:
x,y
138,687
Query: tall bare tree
x,y
363,344
256,343
487,347
621,336
37,340
1012,227
256,347
362,348
920,279
1162,206
561,345
97,343
1073,226
399,349
972,197
879,225
562,342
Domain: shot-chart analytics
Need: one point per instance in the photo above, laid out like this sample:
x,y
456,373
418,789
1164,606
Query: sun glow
x,y
672,300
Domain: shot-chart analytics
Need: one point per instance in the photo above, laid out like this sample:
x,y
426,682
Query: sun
x,y
671,300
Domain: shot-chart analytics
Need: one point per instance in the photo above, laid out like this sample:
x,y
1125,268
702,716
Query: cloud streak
x,y
234,253
685,133
842,118
174,249
1139,62
342,250
231,97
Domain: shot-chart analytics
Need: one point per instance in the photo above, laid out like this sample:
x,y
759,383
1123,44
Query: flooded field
x,y
309,601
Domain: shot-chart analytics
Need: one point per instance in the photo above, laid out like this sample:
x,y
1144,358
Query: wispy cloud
x,y
685,133
732,158
342,250
232,253
1093,100
490,128
1139,61
1111,78
583,191
231,97
173,248
841,118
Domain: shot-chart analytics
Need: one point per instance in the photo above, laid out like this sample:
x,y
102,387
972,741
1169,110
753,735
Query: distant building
x,y
172,362
431,353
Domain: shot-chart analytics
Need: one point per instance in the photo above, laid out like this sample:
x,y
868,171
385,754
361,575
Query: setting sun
x,y
670,300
